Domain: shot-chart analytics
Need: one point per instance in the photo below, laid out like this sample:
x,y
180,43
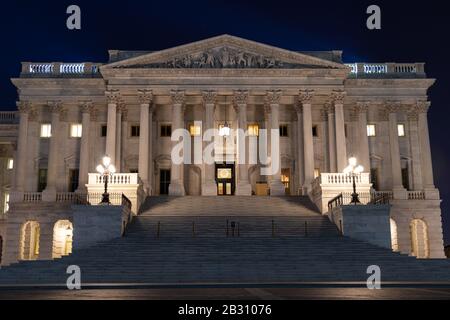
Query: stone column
x,y
86,109
265,147
145,98
209,187
119,142
49,194
341,147
431,192
243,187
124,113
21,159
300,163
364,152
413,133
113,98
176,187
305,99
331,137
273,99
397,186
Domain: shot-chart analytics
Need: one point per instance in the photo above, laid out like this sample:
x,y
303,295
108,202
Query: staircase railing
x,y
336,202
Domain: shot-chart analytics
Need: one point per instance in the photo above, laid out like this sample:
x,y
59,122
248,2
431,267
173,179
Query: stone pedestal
x,y
176,189
209,189
277,188
243,189
49,195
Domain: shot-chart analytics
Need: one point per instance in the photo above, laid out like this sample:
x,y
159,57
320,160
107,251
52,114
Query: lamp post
x,y
353,170
106,169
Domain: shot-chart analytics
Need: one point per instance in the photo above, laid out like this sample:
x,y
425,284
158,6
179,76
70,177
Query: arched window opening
x,y
29,241
62,239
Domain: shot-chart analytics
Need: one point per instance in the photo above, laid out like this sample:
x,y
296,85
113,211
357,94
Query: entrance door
x,y
164,181
225,179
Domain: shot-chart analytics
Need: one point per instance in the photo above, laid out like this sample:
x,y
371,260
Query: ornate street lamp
x,y
354,170
106,169
225,130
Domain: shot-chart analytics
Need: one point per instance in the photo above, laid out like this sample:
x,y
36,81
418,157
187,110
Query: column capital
x,y
393,106
305,96
209,97
145,96
57,107
86,106
328,107
178,96
422,106
273,96
240,97
121,108
338,96
112,96
361,107
24,106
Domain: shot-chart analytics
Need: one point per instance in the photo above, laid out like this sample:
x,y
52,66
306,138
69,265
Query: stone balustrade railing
x,y
9,117
416,195
342,179
115,179
57,69
391,69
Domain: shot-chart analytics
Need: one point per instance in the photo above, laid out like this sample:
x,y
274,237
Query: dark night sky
x,y
36,31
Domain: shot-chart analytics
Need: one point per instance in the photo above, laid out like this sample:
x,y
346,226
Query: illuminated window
x,y
285,174
224,173
283,130
253,130
76,130
401,130
371,131
46,130
6,203
316,173
135,131
10,164
195,130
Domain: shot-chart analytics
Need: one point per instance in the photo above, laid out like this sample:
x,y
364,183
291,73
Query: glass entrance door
x,y
225,179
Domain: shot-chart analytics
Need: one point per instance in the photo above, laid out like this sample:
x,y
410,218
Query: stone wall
x,y
94,224
367,223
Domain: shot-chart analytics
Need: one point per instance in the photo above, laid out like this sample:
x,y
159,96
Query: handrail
x,y
336,202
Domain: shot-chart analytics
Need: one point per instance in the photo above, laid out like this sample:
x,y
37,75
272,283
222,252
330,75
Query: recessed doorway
x,y
225,178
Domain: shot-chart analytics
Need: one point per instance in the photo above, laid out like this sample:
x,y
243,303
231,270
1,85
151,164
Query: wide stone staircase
x,y
206,240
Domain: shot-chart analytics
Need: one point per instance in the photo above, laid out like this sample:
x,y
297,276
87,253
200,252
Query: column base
x,y
176,189
49,195
277,188
400,193
243,189
209,189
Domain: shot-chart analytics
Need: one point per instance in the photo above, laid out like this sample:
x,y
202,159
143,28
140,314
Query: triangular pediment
x,y
225,52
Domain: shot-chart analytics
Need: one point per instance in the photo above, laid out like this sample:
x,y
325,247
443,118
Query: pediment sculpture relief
x,y
222,57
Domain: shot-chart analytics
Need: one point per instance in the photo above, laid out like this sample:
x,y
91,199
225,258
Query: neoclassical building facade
x,y
71,114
